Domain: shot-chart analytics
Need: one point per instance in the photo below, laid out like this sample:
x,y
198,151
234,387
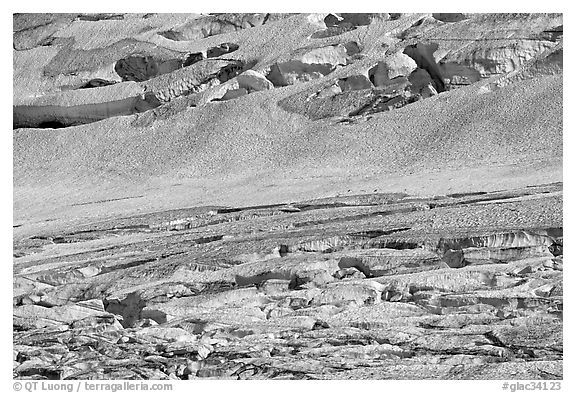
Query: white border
x,y
293,6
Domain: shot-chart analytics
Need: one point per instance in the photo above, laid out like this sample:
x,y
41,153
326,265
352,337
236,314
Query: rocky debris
x,y
381,297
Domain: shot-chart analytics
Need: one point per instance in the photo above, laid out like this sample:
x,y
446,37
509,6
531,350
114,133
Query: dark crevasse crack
x,y
465,194
139,68
379,232
145,69
136,62
91,234
199,241
449,17
50,124
107,200
62,239
422,54
476,197
307,66
130,308
553,35
253,314
357,96
362,216
293,71
99,17
503,239
208,239
216,51
140,262
54,116
92,83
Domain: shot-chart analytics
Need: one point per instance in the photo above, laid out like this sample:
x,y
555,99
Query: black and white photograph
x,y
287,196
